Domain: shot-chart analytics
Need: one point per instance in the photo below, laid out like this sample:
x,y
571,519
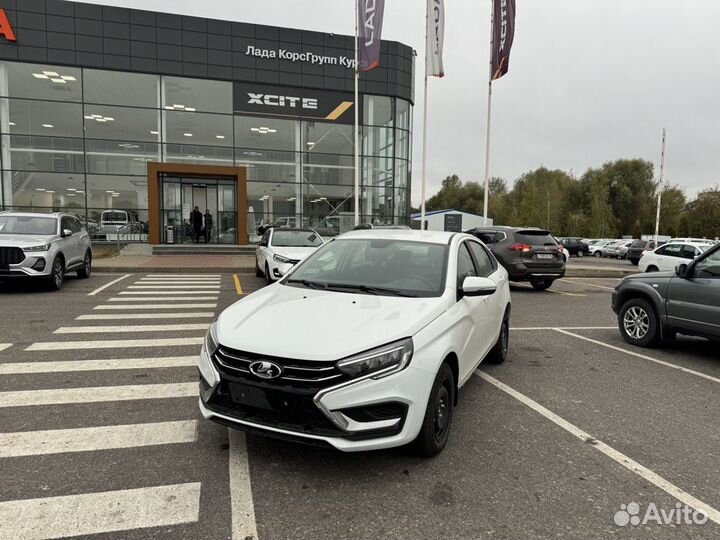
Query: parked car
x,y
668,256
656,307
596,249
287,222
114,221
610,249
622,249
44,247
527,254
575,246
365,226
281,249
362,346
637,248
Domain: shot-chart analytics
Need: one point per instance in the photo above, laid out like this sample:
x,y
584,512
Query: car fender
x,y
655,292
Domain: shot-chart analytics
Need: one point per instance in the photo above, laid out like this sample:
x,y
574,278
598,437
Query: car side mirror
x,y
682,271
478,286
66,233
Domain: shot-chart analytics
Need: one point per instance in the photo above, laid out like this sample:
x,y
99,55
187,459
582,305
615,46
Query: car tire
x,y
652,269
581,253
634,262
437,421
597,254
498,354
268,277
57,274
541,284
86,269
565,258
258,272
638,322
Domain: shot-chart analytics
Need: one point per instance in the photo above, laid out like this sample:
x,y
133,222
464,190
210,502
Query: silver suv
x,y
45,246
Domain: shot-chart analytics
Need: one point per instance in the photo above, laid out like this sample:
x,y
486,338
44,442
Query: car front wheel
x,y
498,354
581,253
268,277
86,269
258,272
541,284
437,422
638,322
57,274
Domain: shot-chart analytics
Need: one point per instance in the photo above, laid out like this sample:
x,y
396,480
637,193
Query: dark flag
x,y
503,34
370,19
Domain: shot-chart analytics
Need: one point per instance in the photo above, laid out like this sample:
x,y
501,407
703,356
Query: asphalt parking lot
x,y
100,436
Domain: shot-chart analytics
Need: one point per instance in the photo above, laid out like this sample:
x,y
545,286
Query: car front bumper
x,y
35,264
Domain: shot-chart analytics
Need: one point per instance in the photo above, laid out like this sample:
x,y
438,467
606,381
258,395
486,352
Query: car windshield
x,y
375,266
28,225
638,244
296,239
114,217
535,238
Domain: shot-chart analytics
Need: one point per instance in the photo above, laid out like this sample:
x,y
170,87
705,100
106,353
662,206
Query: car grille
x,y
11,255
306,374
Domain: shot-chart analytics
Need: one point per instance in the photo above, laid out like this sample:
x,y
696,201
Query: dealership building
x,y
107,111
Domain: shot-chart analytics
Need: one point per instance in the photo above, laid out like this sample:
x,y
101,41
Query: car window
x,y
485,265
465,265
535,238
671,250
75,225
487,238
65,223
709,266
638,244
265,238
28,225
689,252
285,238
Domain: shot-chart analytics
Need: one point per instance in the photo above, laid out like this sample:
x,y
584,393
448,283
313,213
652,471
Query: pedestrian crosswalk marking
x,y
97,513
179,280
161,298
90,439
186,287
156,306
61,366
120,316
125,329
4,346
114,344
168,293
64,396
183,275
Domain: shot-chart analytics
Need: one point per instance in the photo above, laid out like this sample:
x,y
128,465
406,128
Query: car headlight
x,y
210,345
282,260
382,361
44,247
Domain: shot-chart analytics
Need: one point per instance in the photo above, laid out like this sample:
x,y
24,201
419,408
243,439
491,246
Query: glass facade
x,y
78,140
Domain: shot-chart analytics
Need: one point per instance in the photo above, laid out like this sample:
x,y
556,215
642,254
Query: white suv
x,y
43,246
668,256
363,345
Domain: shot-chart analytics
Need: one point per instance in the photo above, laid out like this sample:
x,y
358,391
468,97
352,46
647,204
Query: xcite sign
x,y
6,28
272,100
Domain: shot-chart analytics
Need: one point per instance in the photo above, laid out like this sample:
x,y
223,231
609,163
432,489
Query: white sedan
x,y
668,256
362,346
281,249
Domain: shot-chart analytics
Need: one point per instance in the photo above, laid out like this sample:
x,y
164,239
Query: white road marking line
x,y
16,368
177,282
101,289
563,327
241,501
96,513
546,290
58,441
182,275
114,344
64,396
185,278
155,293
161,298
155,306
4,346
118,316
185,287
638,355
131,329
613,454
568,280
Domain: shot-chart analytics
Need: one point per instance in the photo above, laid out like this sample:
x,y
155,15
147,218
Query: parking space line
x,y
120,316
90,439
569,280
638,355
161,298
156,306
95,513
131,329
610,452
185,287
563,327
238,287
4,346
65,396
241,501
101,289
156,293
68,366
178,282
113,344
180,276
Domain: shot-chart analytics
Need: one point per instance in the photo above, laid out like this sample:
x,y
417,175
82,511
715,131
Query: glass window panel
x,y
120,158
401,173
271,172
402,142
269,202
330,174
378,111
123,123
44,190
245,156
122,88
267,133
377,141
44,118
198,128
198,155
327,138
401,206
180,94
403,112
109,192
36,81
328,209
36,153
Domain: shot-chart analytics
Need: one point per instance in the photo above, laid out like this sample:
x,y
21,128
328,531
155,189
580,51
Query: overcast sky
x,y
590,81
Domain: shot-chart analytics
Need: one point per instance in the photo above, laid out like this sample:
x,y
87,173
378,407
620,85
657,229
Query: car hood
x,y
652,276
295,253
24,240
308,324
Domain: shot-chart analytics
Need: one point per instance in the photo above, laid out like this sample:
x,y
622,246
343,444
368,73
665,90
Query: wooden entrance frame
x,y
156,170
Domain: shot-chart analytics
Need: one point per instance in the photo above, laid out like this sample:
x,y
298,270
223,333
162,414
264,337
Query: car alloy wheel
x,y
636,322
442,414
597,254
581,253
57,275
268,277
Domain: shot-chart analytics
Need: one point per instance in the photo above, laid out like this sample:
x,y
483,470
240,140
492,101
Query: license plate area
x,y
544,256
250,396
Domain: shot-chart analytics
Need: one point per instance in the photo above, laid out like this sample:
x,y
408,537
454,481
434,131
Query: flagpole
x,y
357,122
660,189
425,130
489,112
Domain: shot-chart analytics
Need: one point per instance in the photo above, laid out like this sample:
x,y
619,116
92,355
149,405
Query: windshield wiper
x,y
369,289
307,283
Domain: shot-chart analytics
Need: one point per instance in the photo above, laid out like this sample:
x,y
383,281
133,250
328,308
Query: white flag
x,y
435,36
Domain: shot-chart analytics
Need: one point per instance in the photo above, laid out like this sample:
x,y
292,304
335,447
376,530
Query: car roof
x,y
293,229
33,214
688,243
432,237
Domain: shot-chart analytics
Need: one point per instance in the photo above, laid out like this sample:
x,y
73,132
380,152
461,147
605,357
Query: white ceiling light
x,y
49,191
109,191
71,189
40,76
154,132
11,123
68,77
219,136
48,126
188,134
291,199
178,106
40,189
58,80
190,109
51,73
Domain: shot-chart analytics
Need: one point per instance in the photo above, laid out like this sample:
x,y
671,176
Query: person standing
x,y
208,225
196,220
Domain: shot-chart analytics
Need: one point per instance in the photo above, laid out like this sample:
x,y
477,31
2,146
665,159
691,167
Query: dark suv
x,y
575,246
637,248
657,306
527,254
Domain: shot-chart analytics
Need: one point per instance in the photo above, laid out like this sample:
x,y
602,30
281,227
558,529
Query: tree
x,y
703,214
